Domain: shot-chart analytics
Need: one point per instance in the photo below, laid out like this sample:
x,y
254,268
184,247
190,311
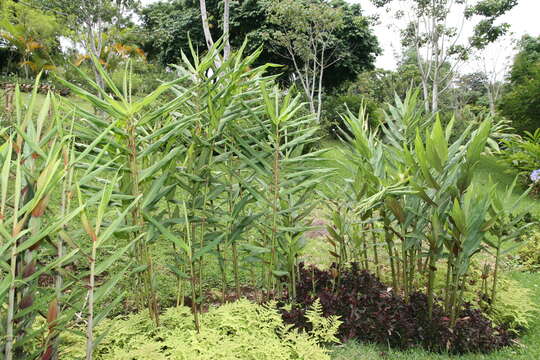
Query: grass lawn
x,y
528,350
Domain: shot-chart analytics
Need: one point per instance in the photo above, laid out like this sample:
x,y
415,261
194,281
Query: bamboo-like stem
x,y
365,251
275,200
293,281
495,274
138,220
201,260
404,258
179,292
13,265
190,231
390,247
194,296
459,301
204,211
221,262
431,281
447,290
90,320
229,229
399,267
179,283
375,253
235,269
412,263
454,296
11,304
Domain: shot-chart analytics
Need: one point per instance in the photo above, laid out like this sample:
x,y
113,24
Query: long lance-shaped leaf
x,y
149,99
43,114
114,226
104,204
478,143
117,254
117,111
97,140
53,264
48,230
151,171
4,180
155,192
29,141
111,85
179,242
4,285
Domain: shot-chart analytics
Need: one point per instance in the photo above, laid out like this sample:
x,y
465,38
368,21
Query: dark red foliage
x,y
372,312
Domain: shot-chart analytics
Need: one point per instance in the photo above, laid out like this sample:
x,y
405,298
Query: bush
x,y
513,307
336,105
529,254
372,312
145,77
523,154
239,330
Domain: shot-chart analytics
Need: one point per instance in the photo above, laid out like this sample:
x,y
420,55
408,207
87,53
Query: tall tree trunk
x,y
425,93
435,93
227,45
206,26
320,86
491,103
96,52
435,58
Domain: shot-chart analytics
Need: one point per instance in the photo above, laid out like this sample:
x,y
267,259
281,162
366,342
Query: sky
x,y
524,19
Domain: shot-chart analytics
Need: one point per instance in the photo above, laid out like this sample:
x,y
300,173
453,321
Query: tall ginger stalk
x,y
133,133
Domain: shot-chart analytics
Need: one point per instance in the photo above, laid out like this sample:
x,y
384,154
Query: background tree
x,y
521,100
306,31
206,27
90,20
28,37
439,41
469,90
169,25
494,66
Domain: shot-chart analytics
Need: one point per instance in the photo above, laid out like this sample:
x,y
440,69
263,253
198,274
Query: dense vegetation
x,y
215,179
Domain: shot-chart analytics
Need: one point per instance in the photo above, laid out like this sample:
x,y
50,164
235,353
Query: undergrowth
x,y
372,312
239,330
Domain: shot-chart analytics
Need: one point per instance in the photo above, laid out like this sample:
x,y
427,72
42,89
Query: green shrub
x,y
529,254
523,154
239,330
336,105
513,307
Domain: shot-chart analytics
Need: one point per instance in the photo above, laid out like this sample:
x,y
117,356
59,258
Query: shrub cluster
x,y
239,330
529,254
370,311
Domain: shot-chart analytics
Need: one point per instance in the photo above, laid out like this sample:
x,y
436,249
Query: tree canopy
x,y
170,25
521,101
